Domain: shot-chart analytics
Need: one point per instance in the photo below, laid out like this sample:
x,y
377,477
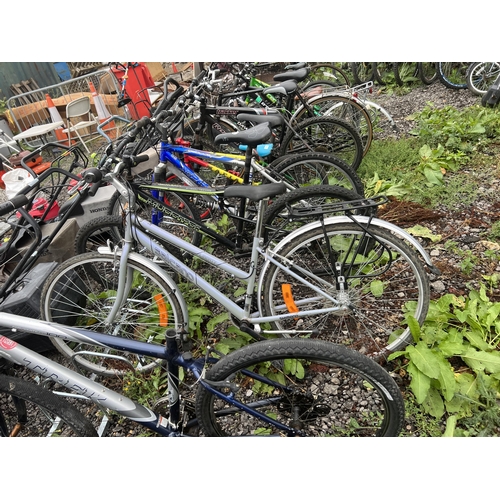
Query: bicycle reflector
x,y
286,290
162,309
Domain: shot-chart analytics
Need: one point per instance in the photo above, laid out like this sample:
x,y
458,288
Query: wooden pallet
x,y
23,87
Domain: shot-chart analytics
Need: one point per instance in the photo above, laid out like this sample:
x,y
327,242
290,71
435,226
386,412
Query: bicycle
x,y
282,387
481,75
335,266
453,75
180,162
318,133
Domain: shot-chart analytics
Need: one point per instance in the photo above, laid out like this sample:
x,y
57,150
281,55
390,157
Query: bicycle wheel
x,y
362,72
306,169
405,73
376,279
81,292
327,73
346,109
98,232
314,388
325,134
481,75
427,72
453,74
384,72
170,219
29,410
279,219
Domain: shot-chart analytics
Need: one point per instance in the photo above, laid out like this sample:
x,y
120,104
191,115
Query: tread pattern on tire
x,y
334,355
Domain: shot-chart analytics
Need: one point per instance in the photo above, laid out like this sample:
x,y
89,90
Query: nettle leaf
x,y
467,385
424,359
477,340
419,384
216,320
414,327
482,361
377,288
449,347
423,232
447,380
433,176
425,151
433,403
477,129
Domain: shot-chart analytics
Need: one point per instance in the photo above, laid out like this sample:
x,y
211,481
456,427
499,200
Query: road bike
x,y
279,387
352,279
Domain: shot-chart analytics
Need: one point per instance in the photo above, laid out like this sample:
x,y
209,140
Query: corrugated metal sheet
x,y
44,74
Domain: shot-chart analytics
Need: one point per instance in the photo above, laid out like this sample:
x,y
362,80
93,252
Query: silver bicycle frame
x,y
140,230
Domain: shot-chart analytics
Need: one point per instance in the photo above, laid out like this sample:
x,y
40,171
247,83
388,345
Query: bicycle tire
x,y
299,169
481,75
278,220
453,74
81,291
326,73
325,134
29,410
427,72
362,72
313,387
346,109
405,73
377,296
177,204
384,72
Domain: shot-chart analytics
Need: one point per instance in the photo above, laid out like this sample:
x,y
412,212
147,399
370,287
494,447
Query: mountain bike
x,y
281,387
347,278
453,75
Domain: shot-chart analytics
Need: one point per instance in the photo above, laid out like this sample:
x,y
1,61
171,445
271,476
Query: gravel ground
x,y
463,225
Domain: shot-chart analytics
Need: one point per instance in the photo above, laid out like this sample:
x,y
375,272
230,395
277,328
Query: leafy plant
x,y
455,352
465,130
434,163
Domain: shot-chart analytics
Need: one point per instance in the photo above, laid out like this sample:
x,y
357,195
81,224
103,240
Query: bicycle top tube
x,y
199,153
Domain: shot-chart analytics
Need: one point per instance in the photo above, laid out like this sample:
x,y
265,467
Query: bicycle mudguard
x,y
135,257
362,219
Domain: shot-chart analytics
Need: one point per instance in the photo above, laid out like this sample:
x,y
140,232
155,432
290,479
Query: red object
x,y
39,206
139,79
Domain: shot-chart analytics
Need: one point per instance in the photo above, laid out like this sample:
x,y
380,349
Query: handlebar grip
x,y
16,202
93,189
92,175
140,159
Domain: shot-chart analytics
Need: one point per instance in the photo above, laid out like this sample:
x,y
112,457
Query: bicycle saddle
x,y
273,120
255,193
298,75
287,87
250,137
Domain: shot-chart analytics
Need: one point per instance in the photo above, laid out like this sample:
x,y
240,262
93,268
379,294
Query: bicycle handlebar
x,y
18,201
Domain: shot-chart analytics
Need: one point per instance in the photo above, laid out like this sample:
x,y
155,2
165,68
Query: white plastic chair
x,y
75,109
